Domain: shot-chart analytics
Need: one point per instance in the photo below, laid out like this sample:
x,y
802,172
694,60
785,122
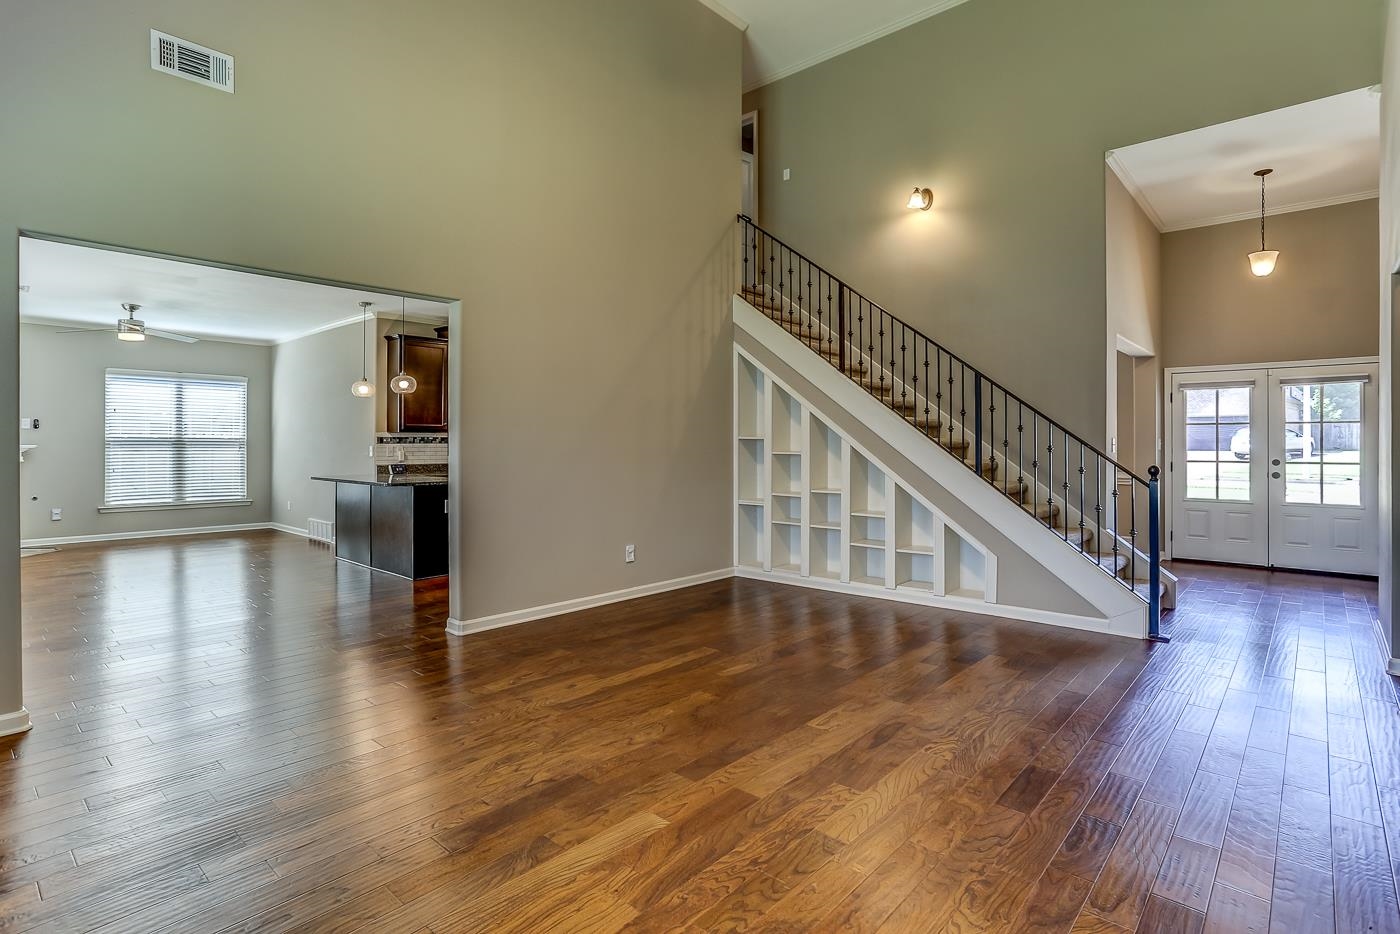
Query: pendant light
x,y
1262,261
403,384
362,388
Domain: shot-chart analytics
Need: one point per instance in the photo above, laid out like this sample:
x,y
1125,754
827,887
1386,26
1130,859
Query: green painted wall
x,y
1006,109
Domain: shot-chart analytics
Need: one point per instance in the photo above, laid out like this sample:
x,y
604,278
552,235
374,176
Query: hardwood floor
x,y
237,733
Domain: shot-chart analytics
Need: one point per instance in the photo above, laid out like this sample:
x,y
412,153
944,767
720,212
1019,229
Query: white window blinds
x,y
175,439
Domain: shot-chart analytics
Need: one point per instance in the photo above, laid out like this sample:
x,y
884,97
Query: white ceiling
x,y
1323,152
78,285
786,36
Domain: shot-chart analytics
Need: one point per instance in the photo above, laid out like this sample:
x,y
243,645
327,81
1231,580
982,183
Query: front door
x,y
1276,467
1322,468
1220,491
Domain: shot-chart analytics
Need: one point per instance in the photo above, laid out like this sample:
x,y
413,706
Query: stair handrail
x,y
756,277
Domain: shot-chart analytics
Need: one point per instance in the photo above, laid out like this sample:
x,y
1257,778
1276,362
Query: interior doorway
x,y
748,164
1276,465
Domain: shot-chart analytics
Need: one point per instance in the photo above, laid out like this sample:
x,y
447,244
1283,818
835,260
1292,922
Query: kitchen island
x,y
395,524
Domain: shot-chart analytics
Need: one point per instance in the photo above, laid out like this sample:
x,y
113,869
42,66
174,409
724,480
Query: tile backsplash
x,y
414,450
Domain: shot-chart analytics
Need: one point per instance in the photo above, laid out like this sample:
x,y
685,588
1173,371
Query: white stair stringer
x,y
1030,573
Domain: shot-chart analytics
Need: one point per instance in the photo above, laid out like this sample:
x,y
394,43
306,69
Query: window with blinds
x,y
174,439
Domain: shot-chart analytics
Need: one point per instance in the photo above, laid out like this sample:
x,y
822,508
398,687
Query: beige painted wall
x,y
62,384
565,169
1133,302
1006,108
1390,293
318,428
1319,303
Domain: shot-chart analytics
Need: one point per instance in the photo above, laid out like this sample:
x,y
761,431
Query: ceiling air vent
x,y
184,59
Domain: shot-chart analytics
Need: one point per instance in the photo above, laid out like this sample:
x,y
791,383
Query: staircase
x,y
1097,507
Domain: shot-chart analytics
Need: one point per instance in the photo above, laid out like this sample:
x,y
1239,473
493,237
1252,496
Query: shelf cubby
x,y
868,483
750,467
824,456
787,473
787,510
825,554
915,571
914,526
868,531
826,509
964,567
750,399
787,548
787,421
867,565
750,536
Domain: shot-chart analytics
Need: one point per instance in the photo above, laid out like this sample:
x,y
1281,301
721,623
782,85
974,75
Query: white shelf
x,y
866,514
830,526
750,437
828,492
867,543
751,502
871,581
921,586
914,549
794,493
787,521
787,453
788,567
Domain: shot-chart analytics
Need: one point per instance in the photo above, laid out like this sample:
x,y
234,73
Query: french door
x,y
1276,466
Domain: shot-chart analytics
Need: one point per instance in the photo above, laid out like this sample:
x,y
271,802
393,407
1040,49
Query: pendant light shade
x,y
1262,260
362,388
403,384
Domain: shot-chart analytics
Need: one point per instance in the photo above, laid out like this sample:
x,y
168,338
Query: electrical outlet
x,y
787,174
28,424
289,505
630,554
56,514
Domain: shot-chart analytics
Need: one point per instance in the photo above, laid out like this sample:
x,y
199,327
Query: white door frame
x,y
752,117
1168,492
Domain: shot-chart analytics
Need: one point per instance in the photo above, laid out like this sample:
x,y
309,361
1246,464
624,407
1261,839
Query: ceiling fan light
x,y
1262,262
130,329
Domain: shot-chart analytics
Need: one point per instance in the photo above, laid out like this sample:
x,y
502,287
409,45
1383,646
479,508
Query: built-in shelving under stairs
x,y
808,479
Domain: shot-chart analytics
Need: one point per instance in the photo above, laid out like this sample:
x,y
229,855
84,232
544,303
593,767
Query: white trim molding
x,y
155,533
17,721
726,14
1286,208
459,627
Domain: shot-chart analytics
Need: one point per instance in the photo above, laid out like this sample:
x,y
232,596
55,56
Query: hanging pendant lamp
x,y
403,384
362,388
1262,261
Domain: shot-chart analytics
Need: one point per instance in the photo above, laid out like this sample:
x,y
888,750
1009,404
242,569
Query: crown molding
x,y
932,9
1275,209
726,14
97,328
1134,189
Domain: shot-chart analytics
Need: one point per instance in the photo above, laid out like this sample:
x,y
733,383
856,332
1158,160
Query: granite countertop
x,y
401,480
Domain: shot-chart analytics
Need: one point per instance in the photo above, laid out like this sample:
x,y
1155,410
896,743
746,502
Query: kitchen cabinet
x,y
425,409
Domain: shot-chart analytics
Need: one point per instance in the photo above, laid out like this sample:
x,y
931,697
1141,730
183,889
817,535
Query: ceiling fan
x,y
131,328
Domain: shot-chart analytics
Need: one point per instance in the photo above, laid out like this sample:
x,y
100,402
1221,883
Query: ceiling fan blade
x,y
85,330
172,336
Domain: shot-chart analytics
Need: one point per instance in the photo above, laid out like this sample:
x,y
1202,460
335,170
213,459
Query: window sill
x,y
157,507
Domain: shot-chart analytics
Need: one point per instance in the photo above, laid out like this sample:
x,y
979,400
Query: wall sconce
x,y
920,200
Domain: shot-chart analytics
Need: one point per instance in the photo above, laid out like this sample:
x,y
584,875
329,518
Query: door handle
x,y
1274,474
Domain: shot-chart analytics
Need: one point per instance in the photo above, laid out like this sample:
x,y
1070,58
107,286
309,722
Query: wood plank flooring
x,y
239,733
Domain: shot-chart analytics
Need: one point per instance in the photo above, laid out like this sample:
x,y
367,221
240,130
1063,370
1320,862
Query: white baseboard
x,y
290,530
16,722
1129,625
458,627
156,533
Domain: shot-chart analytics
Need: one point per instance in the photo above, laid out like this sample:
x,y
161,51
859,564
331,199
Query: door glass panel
x,y
1322,441
1234,482
1218,445
1200,480
1303,483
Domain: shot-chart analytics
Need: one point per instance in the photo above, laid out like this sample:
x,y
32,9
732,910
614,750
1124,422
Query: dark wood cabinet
x,y
425,359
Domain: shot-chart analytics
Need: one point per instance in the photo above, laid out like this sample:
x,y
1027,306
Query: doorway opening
x,y
163,396
748,164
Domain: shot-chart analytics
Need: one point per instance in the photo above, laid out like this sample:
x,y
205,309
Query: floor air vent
x,y
184,59
321,531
